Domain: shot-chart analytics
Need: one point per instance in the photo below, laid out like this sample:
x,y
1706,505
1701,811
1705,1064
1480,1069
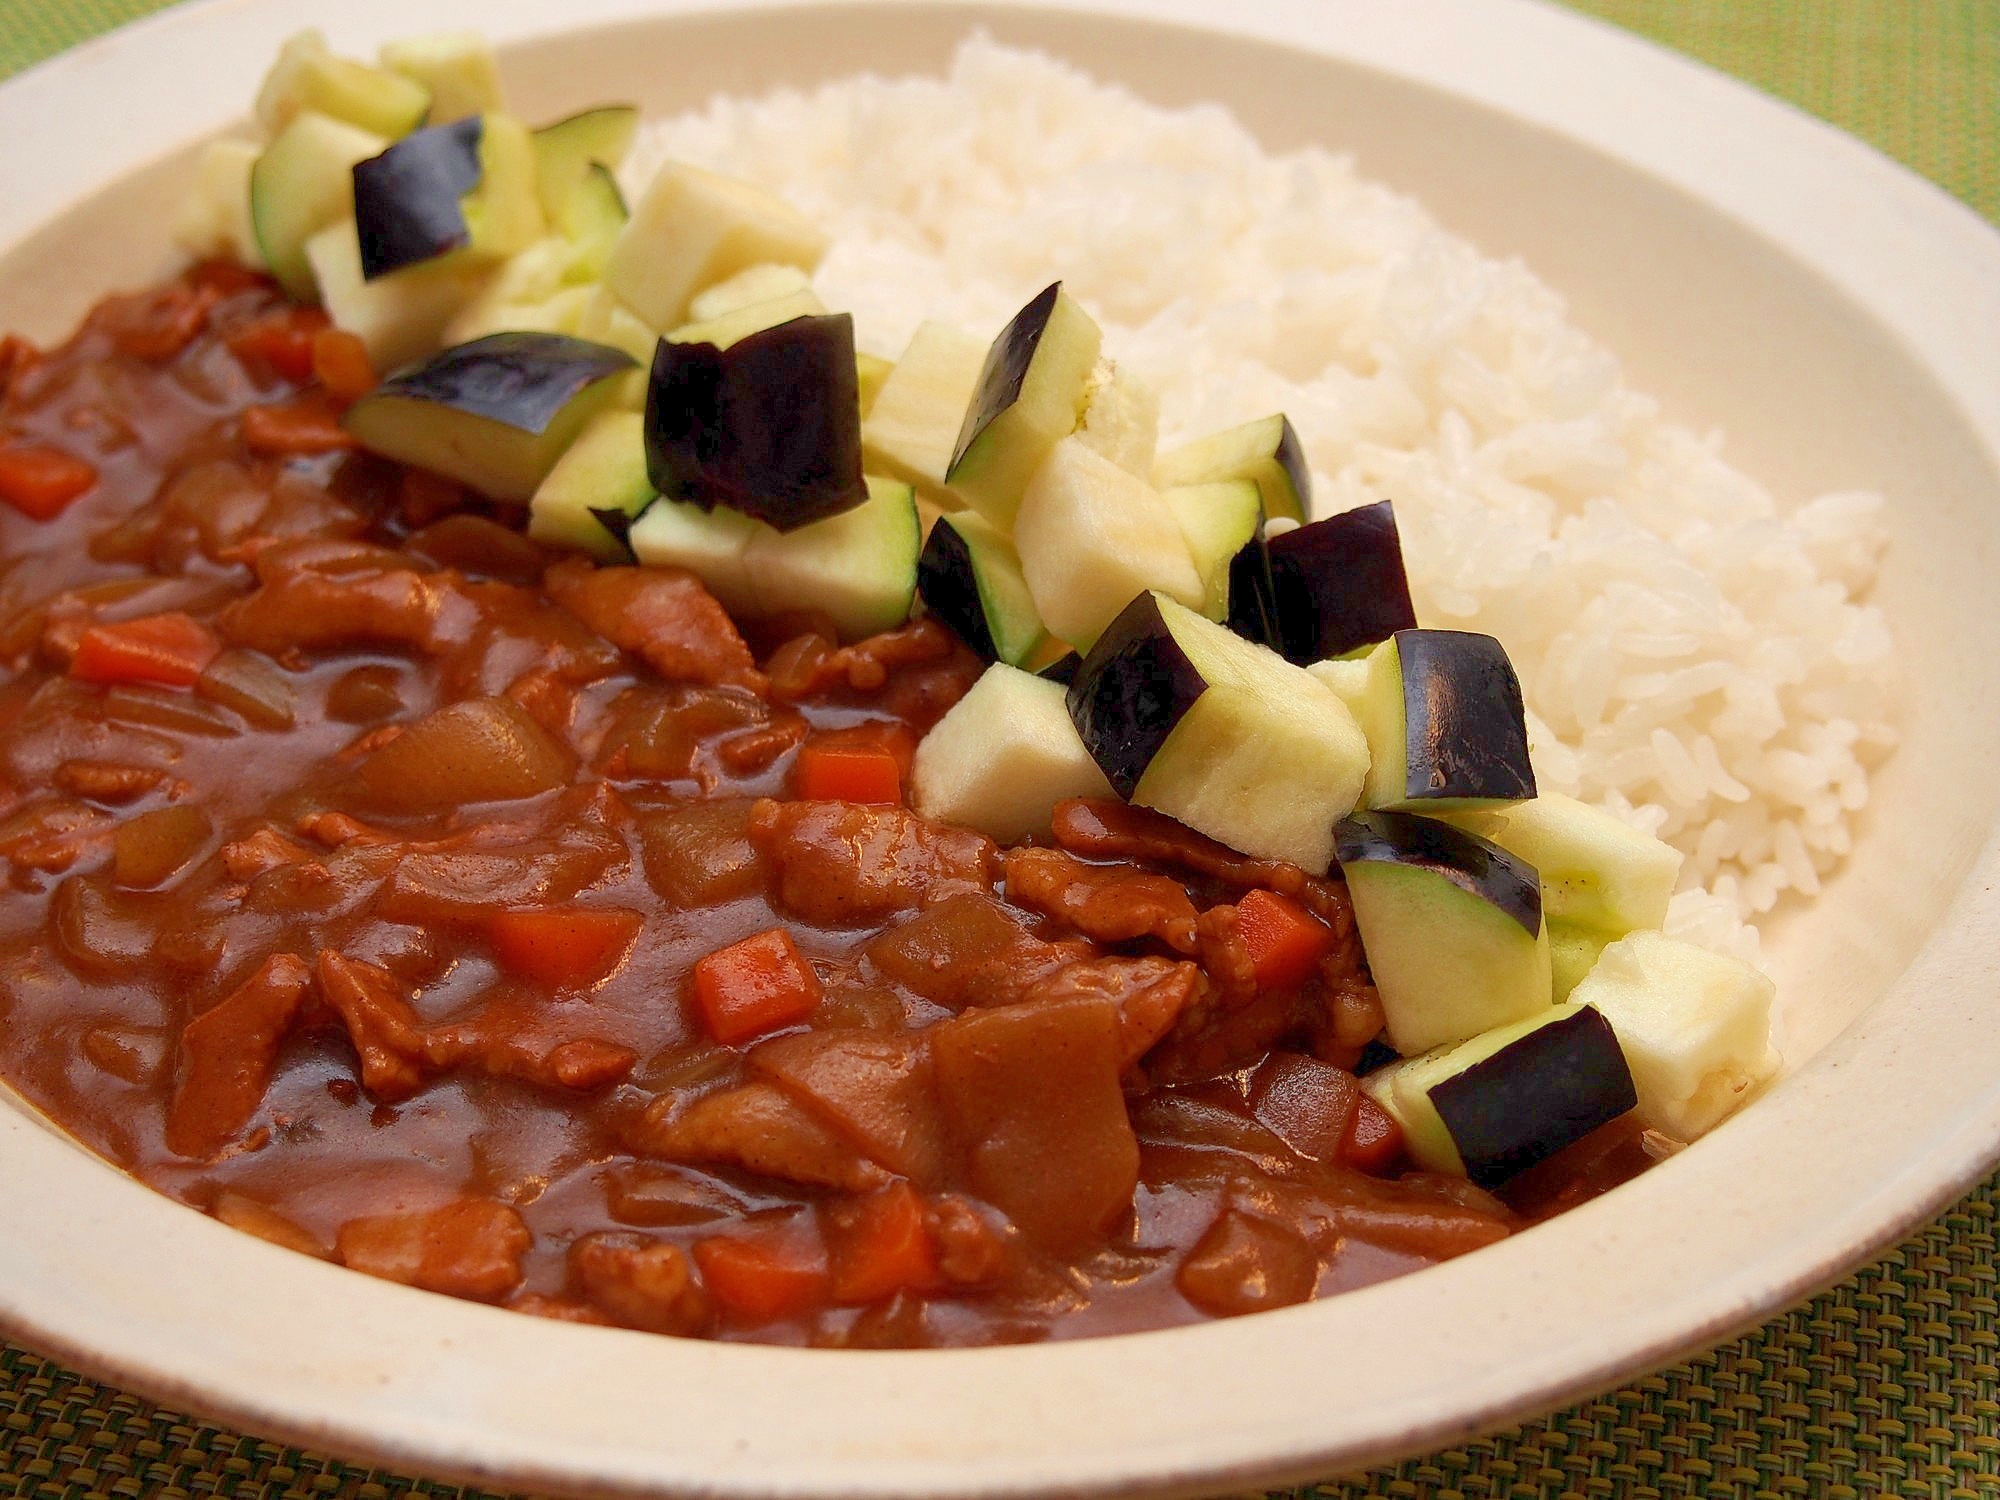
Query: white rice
x,y
1693,659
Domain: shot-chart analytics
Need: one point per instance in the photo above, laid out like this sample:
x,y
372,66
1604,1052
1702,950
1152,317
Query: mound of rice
x,y
1692,658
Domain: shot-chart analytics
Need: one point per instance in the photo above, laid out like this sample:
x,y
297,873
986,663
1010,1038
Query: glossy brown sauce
x,y
431,1113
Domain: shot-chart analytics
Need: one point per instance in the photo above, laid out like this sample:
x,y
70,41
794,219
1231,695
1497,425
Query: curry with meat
x,y
527,930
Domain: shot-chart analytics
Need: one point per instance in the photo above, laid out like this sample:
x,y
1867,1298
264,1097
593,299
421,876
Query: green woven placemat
x,y
1888,1385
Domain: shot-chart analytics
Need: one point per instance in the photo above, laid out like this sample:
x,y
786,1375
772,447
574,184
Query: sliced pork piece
x,y
969,949
760,1128
841,863
374,1008
1098,828
664,616
639,1282
1104,904
471,1247
303,609
227,1056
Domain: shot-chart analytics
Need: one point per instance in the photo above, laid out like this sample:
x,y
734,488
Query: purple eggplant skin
x,y
408,202
1464,731
619,524
1006,368
770,426
1339,584
1253,599
1063,669
1471,863
950,589
1130,692
520,380
1375,1054
1535,1096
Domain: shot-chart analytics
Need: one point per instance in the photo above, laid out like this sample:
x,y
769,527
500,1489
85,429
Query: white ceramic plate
x,y
1756,269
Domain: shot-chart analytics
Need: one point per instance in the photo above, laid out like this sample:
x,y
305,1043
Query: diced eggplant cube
x,y
495,414
590,221
1598,871
408,202
1695,1026
857,567
949,588
1253,595
969,576
1195,722
504,213
1451,926
401,317
519,380
1266,452
1573,953
912,430
1496,1104
567,150
692,229
714,545
1030,391
308,75
1339,584
1445,724
596,490
770,427
1003,757
1535,1096
458,67
303,182
1221,522
1092,537
1132,691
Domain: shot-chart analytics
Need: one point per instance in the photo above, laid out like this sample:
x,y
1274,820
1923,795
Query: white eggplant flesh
x,y
1695,1027
1092,538
1597,869
693,229
1121,417
1003,757
912,428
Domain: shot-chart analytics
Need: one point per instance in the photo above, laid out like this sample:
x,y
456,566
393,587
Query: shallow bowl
x,y
1756,270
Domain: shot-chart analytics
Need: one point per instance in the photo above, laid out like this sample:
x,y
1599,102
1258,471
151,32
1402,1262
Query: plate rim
x,y
1441,43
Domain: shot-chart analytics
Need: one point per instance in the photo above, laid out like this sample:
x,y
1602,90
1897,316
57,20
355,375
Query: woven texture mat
x,y
1888,1385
